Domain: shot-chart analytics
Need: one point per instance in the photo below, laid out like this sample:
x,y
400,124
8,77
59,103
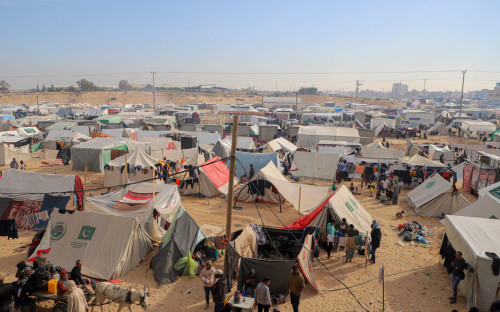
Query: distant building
x,y
399,90
494,95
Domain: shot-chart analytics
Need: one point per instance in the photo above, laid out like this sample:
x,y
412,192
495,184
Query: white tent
x,y
485,190
459,170
136,200
65,138
340,204
280,144
309,136
417,160
223,147
382,155
260,188
435,153
141,168
315,165
474,237
472,128
485,207
109,245
434,198
190,156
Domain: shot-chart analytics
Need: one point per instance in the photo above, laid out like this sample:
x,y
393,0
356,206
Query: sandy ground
x,y
415,280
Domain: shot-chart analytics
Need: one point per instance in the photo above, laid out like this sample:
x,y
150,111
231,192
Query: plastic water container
x,y
56,277
52,287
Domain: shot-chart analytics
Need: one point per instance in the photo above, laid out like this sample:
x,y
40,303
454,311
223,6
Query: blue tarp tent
x,y
259,161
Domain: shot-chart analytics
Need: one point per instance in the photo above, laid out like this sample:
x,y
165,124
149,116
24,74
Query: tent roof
x,y
282,143
216,171
329,131
486,190
67,135
431,188
135,158
62,125
417,160
484,207
382,153
102,143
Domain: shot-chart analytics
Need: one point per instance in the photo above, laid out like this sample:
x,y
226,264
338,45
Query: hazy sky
x,y
328,44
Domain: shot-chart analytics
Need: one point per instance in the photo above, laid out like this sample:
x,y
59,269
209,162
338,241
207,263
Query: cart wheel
x,y
60,307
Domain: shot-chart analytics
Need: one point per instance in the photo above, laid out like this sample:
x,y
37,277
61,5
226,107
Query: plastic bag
x,y
187,264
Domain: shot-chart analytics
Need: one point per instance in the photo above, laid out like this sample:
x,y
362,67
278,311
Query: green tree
x,y
37,88
310,90
148,88
124,85
86,85
4,86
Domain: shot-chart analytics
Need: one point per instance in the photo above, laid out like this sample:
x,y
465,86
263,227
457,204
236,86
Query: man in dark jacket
x,y
14,164
376,236
7,294
458,266
220,291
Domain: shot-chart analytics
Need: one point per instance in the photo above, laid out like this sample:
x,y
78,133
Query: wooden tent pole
x,y
126,169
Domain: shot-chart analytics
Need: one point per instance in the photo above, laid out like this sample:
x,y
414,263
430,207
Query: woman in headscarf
x,y
76,298
376,236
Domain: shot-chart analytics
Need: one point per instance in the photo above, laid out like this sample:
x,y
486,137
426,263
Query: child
x,y
351,187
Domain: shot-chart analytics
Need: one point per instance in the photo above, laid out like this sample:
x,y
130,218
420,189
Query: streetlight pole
x,y
296,110
425,81
462,95
154,93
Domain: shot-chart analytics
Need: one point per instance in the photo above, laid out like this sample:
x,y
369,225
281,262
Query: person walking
x,y
76,298
263,296
296,285
458,265
351,243
330,232
220,290
376,236
207,275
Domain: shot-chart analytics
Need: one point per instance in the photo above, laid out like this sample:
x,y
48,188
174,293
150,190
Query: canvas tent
x,y
309,136
142,168
190,156
417,160
212,180
109,245
435,153
315,165
63,138
340,204
260,188
474,237
182,237
223,147
136,200
96,153
24,193
434,198
280,144
439,127
485,207
382,155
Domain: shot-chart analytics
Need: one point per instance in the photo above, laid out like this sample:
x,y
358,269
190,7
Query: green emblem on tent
x,y
349,206
86,232
430,184
496,192
58,230
353,202
492,217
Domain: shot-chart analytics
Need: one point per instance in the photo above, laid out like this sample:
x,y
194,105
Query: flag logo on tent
x,y
349,206
86,232
430,184
58,230
496,192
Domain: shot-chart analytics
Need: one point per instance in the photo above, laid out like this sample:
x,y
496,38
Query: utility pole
x,y
296,110
358,84
234,142
154,92
38,105
425,81
462,95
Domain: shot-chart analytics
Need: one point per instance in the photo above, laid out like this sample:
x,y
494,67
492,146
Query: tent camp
x,y
212,180
434,198
417,160
136,200
109,245
309,136
258,160
63,139
315,165
280,144
340,204
270,186
182,237
475,238
190,156
46,191
96,153
141,168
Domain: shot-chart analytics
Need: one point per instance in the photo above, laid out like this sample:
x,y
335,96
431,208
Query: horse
x,y
122,296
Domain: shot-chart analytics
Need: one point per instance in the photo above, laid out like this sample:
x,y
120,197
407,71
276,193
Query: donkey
x,y
122,296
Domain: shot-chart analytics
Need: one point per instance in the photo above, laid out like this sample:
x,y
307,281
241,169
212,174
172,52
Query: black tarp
x,y
183,238
277,271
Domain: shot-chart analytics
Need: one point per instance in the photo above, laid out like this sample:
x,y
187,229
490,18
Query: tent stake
x,y
234,142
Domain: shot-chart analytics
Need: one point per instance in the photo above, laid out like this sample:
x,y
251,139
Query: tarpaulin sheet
x,y
216,171
258,160
49,203
136,198
305,262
